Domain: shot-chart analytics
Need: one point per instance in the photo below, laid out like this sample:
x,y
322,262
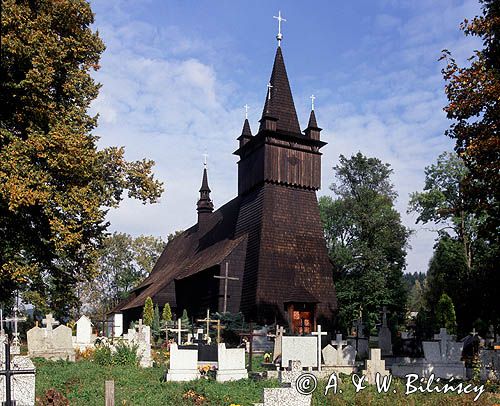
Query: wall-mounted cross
x,y
226,279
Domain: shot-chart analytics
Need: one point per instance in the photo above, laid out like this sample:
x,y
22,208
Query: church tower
x,y
288,275
263,253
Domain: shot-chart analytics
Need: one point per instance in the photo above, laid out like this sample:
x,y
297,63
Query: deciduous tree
x,y
56,185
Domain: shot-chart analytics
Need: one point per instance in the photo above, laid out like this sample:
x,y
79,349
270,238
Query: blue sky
x,y
176,74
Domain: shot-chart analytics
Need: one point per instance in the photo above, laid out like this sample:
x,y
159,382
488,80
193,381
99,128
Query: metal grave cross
x,y
9,373
250,337
2,331
226,278
15,341
319,333
49,321
206,320
179,331
218,328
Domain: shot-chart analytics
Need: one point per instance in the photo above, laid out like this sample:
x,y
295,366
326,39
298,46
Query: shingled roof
x,y
280,104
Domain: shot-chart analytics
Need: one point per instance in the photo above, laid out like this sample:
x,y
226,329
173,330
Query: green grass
x,y
83,384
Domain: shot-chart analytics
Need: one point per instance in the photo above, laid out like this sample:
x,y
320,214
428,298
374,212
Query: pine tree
x,y
148,312
155,325
445,314
185,319
166,314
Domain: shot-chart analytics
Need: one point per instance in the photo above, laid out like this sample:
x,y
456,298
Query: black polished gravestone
x,y
207,353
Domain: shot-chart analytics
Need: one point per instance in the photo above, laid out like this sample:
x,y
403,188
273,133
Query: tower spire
x,y
205,205
279,105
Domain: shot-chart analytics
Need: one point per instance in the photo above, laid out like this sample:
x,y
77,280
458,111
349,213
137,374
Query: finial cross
x,y
246,110
279,37
313,97
205,156
269,87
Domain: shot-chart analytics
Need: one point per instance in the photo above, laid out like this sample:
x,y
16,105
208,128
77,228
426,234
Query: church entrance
x,y
301,316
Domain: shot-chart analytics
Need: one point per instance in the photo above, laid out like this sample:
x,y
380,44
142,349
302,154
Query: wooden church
x,y
263,253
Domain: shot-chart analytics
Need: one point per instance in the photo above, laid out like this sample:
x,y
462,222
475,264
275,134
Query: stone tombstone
x,y
300,348
384,335
490,364
23,386
231,364
142,339
342,358
441,358
261,342
374,365
84,330
51,343
287,395
183,364
280,331
208,353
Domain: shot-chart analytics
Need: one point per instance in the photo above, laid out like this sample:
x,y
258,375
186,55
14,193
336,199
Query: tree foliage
x,y
166,314
148,312
366,240
445,314
442,200
56,185
474,107
124,261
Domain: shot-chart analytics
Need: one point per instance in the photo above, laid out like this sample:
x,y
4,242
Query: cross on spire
x,y
313,97
205,156
279,37
246,111
269,87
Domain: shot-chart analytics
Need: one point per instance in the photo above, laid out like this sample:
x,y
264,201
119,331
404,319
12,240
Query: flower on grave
x,y
267,357
234,404
194,397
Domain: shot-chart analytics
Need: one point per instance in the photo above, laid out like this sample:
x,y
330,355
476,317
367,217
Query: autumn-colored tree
x,y
56,186
148,312
474,107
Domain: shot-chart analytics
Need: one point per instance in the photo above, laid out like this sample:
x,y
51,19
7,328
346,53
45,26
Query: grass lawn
x,y
83,384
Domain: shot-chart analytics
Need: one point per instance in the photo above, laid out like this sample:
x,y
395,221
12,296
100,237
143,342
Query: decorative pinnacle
x,y
269,87
246,110
279,37
313,97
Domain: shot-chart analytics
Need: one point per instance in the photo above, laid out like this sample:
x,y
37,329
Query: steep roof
x,y
189,253
280,104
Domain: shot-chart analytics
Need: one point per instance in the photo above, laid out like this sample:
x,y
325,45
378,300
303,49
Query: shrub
x,y
148,312
125,354
102,355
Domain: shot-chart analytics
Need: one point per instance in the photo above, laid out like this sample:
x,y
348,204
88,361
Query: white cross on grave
x,y
49,321
443,338
319,333
179,331
339,343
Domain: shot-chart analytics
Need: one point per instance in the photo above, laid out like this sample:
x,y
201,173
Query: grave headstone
x,y
278,339
288,394
384,335
183,364
441,358
84,331
231,364
51,343
300,348
374,365
341,359
142,339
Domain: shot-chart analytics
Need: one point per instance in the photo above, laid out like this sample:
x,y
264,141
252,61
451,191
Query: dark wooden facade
x,y
270,234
